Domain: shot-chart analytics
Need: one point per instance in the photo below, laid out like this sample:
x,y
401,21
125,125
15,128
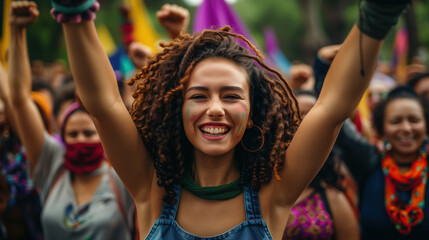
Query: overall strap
x,y
251,203
169,210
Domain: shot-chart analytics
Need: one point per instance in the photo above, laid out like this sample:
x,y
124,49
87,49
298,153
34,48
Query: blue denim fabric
x,y
254,227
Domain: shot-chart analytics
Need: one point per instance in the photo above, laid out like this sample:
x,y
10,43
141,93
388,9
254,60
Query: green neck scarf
x,y
222,192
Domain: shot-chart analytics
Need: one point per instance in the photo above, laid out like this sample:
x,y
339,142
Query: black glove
x,y
376,17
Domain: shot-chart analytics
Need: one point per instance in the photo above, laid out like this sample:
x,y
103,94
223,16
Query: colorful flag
x,y
400,53
143,28
275,53
213,14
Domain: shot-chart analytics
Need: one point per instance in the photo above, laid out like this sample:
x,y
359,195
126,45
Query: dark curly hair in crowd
x,y
157,109
401,92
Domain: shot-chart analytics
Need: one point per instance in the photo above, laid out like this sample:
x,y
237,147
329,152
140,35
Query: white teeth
x,y
214,131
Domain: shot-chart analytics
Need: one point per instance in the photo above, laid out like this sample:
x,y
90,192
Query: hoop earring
x,y
262,144
386,145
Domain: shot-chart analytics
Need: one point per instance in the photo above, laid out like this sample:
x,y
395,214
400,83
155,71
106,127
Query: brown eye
x,y
415,119
88,133
395,121
198,96
232,96
72,134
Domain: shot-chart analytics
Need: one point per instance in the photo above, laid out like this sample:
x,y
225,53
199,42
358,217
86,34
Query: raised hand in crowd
x,y
328,53
23,14
301,76
29,123
139,54
174,19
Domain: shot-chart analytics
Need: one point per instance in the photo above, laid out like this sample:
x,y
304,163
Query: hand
x,y
328,53
414,69
138,54
300,74
23,13
174,19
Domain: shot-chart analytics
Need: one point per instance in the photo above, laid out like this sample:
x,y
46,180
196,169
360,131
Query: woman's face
x,y
216,106
79,128
404,125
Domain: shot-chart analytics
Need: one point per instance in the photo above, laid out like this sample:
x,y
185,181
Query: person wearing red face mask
x,y
84,152
82,196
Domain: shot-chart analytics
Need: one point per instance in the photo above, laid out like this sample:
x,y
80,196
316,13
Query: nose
x,y
406,126
215,108
80,138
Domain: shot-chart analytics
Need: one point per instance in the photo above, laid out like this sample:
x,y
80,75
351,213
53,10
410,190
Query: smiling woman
x,y
179,153
397,187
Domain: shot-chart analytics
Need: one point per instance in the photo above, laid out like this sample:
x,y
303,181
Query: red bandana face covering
x,y
81,158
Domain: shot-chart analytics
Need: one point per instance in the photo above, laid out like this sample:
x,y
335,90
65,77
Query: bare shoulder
x,y
337,200
344,218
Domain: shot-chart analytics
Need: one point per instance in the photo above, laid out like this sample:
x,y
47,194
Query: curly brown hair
x,y
157,108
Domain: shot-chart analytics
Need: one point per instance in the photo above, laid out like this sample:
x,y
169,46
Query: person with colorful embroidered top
x,y
82,196
213,147
392,183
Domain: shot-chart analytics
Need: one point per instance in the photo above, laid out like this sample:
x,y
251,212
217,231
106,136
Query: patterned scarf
x,y
405,215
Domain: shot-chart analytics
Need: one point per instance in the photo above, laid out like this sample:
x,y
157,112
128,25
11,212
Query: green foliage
x,y
45,36
283,16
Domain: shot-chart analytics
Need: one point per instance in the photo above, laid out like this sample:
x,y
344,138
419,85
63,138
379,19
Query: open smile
x,y
214,131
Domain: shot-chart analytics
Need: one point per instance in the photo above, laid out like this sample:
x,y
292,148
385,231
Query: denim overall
x,y
254,227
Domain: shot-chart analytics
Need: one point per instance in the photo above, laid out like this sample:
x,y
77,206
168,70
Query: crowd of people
x,y
207,141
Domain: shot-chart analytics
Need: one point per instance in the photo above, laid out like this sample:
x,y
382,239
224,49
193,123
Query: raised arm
x,y
98,90
360,156
29,124
345,83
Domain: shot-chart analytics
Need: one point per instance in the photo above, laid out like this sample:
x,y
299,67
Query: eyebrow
x,y
226,88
